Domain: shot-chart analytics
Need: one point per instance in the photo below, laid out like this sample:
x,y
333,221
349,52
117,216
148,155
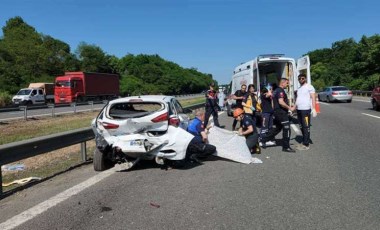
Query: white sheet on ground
x,y
229,145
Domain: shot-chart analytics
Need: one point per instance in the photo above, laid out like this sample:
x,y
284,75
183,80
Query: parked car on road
x,y
335,93
140,127
375,97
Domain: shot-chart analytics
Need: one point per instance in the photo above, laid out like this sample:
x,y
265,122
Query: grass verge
x,y
48,164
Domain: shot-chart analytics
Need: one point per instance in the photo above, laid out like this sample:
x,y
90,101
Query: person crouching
x,y
199,146
248,130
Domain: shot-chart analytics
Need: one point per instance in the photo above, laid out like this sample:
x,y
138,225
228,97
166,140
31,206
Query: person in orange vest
x,y
305,103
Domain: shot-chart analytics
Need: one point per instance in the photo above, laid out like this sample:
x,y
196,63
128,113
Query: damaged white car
x,y
141,127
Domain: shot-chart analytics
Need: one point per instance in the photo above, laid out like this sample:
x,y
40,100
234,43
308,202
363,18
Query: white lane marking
x,y
370,115
42,207
296,129
362,100
12,113
324,103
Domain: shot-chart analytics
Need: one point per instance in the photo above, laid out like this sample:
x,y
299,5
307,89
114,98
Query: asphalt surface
x,y
334,185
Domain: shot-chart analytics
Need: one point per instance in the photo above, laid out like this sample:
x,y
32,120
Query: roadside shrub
x,y
5,99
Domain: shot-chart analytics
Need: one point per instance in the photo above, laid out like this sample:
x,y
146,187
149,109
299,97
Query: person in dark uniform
x,y
198,146
281,107
267,112
248,129
239,96
211,106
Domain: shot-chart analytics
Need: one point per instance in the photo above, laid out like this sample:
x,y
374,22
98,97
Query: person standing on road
x,y
248,130
267,107
281,107
305,103
211,106
239,96
199,146
249,103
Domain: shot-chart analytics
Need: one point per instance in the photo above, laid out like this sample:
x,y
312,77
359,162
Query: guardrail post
x,y
92,105
52,106
74,105
83,151
25,108
1,183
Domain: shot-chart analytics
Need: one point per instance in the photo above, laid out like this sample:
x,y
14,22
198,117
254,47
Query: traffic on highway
x,y
333,185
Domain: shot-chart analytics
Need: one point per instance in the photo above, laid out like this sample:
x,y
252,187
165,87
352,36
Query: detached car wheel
x,y
100,162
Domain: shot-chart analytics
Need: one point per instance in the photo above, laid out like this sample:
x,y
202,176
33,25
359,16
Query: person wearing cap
x,y
211,106
248,130
305,103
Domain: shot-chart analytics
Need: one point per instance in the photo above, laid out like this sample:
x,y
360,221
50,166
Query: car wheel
x,y
100,162
319,98
328,99
349,101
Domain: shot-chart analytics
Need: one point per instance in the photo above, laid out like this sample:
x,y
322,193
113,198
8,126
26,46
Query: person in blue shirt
x,y
199,146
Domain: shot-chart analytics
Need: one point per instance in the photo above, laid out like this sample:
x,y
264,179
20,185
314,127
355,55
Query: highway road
x,y
43,112
334,185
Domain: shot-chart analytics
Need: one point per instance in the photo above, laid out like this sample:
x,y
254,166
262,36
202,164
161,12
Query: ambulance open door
x,y
303,66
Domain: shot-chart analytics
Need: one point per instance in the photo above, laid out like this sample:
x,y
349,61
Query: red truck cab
x,y
85,86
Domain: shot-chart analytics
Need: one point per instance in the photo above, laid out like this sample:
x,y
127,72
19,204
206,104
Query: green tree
x,y
93,59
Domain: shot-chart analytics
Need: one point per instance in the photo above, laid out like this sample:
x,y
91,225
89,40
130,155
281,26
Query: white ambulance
x,y
269,69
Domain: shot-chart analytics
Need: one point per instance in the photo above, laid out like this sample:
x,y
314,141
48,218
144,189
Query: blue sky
x,y
213,36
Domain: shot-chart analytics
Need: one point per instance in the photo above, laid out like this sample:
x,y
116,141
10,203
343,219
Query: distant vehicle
x,y
84,86
335,93
36,93
140,127
375,97
269,69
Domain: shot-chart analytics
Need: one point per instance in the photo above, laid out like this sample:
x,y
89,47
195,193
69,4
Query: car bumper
x,y
341,97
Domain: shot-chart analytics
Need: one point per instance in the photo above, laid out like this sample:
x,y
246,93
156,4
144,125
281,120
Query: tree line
x,y
349,63
29,56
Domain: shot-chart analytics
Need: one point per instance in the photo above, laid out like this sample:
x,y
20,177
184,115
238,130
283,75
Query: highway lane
x,y
43,112
334,185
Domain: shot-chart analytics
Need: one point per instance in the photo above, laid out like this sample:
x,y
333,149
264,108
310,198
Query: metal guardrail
x,y
23,149
362,93
16,151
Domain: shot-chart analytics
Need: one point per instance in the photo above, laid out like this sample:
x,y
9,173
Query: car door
x,y
324,94
40,96
180,112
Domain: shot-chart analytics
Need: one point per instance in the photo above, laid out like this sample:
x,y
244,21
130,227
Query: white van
x,y
269,69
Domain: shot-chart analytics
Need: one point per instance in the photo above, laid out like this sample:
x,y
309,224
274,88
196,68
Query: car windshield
x,y
340,88
133,109
24,92
63,84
